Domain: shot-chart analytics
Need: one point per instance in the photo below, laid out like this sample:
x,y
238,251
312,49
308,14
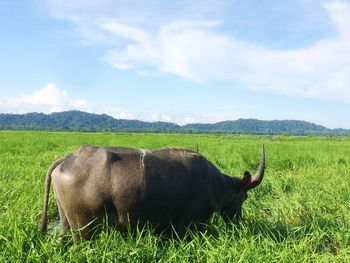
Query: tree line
x,y
89,122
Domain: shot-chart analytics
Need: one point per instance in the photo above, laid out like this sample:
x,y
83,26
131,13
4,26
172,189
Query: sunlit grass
x,y
300,213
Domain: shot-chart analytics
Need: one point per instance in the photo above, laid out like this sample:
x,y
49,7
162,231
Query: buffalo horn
x,y
259,175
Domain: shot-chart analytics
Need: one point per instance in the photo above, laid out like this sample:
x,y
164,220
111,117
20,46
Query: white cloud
x,y
198,51
188,120
121,66
192,50
50,99
156,116
123,115
117,27
46,99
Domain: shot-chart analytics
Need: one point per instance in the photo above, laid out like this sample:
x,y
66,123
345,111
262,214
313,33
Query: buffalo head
x,y
232,209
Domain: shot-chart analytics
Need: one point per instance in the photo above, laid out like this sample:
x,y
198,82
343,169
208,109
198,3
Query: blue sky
x,y
185,61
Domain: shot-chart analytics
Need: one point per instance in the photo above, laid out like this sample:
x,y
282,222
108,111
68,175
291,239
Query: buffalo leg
x,y
82,224
64,225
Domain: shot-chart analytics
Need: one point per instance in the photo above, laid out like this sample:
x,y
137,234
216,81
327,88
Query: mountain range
x,y
89,122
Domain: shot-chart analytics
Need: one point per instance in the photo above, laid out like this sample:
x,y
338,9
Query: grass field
x,y
300,213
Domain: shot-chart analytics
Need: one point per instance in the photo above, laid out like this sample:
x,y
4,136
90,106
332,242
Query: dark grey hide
x,y
169,188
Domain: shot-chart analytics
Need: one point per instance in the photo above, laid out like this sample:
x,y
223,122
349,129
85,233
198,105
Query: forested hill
x,y
83,121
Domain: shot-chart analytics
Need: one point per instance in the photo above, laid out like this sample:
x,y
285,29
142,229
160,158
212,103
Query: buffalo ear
x,y
246,180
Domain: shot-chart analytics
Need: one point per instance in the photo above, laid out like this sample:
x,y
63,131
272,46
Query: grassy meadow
x,y
300,213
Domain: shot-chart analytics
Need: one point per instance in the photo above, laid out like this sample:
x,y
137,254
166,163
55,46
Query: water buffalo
x,y
168,188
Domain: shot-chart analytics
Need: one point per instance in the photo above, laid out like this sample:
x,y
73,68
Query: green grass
x,y
300,213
